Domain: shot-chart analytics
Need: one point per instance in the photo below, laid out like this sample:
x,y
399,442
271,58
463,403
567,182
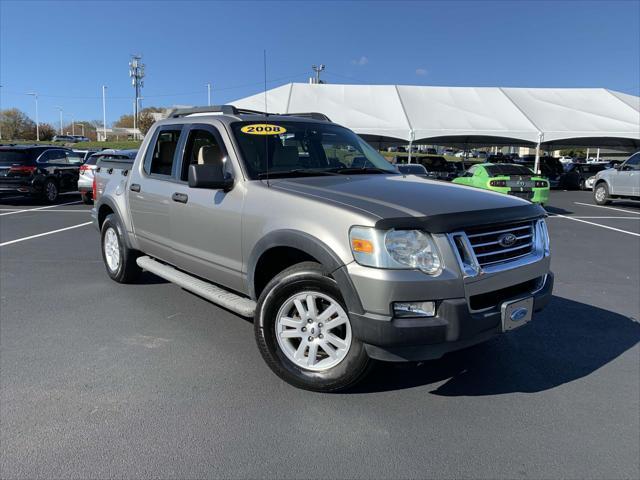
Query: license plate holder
x,y
516,313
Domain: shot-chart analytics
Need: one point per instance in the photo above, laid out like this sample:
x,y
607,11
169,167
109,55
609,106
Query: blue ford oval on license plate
x,y
516,313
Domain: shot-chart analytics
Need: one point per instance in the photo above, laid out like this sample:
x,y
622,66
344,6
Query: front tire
x,y
119,260
304,332
601,194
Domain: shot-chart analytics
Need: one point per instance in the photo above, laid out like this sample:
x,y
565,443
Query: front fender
x,y
312,246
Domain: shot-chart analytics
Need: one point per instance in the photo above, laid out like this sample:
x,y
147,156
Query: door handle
x,y
135,187
180,197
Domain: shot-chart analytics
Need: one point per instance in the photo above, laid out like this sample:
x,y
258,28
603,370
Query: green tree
x,y
125,121
145,120
16,125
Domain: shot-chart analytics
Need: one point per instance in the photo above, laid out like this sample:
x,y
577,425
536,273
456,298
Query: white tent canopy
x,y
466,115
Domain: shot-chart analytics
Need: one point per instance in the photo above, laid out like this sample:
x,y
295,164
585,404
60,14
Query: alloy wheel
x,y
313,331
111,249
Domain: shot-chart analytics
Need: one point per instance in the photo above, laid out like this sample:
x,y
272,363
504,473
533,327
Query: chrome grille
x,y
488,249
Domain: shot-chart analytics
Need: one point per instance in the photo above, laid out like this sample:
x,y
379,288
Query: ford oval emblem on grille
x,y
518,314
521,183
507,240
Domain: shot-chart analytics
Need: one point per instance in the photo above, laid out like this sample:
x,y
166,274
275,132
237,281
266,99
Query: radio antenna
x,y
266,113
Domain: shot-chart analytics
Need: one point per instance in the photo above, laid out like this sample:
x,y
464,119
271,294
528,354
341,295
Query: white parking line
x,y
610,208
596,224
43,234
609,218
39,208
48,211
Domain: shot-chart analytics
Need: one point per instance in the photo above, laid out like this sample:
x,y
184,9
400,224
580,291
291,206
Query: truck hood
x,y
398,196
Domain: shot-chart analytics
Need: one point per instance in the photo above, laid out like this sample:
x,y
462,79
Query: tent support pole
x,y
410,148
536,166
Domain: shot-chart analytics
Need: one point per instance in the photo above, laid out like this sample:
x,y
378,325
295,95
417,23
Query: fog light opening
x,y
414,309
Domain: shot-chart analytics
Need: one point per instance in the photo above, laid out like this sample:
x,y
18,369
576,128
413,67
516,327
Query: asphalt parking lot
x,y
104,380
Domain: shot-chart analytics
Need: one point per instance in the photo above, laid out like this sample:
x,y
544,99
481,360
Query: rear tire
x,y
87,198
119,260
304,332
50,191
601,194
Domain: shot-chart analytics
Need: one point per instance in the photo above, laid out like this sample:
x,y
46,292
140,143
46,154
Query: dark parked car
x,y
439,168
43,171
577,173
550,167
413,169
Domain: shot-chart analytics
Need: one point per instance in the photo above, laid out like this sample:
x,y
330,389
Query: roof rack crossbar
x,y
312,115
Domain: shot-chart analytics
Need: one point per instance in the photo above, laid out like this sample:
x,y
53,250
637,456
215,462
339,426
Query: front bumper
x,y
454,327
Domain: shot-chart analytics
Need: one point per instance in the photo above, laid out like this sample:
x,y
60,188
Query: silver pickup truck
x,y
338,258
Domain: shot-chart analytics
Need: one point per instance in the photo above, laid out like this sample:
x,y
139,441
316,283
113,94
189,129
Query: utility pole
x,y
318,69
208,94
60,110
136,72
104,113
73,126
35,95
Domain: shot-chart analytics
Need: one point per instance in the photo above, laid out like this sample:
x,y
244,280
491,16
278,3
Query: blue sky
x,y
66,50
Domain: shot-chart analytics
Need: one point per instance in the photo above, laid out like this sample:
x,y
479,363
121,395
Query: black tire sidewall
x,y
347,372
44,190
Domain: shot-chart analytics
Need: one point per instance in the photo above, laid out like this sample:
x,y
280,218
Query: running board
x,y
240,305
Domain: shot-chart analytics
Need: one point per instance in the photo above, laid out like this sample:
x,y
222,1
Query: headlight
x,y
406,249
544,237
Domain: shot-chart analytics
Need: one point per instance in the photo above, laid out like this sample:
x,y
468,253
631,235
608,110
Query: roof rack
x,y
183,112
231,110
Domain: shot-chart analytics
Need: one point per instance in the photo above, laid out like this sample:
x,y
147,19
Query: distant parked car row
x,y
87,170
70,138
45,171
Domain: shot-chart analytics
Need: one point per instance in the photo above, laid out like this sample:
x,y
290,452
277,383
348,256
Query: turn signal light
x,y
361,245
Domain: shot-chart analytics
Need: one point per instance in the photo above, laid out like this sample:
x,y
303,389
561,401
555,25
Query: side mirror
x,y
210,176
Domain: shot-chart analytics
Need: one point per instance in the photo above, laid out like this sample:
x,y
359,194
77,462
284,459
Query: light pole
x,y
104,113
208,94
73,126
35,96
60,110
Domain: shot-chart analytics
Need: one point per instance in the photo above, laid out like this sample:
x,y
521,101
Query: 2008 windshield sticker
x,y
263,129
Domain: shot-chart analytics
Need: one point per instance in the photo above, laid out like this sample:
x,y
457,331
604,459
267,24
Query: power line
x,y
159,95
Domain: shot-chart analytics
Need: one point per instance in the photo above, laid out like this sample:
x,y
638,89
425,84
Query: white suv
x,y
622,181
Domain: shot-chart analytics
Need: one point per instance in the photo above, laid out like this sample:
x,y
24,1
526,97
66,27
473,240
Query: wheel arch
x,y
107,207
297,246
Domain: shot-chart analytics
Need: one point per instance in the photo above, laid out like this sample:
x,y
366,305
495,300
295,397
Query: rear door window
x,y
160,162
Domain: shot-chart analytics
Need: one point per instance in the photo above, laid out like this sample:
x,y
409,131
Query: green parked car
x,y
509,178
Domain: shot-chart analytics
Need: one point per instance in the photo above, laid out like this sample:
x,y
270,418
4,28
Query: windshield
x,y
304,148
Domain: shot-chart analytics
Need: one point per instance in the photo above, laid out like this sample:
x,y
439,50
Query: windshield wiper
x,y
361,170
295,172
